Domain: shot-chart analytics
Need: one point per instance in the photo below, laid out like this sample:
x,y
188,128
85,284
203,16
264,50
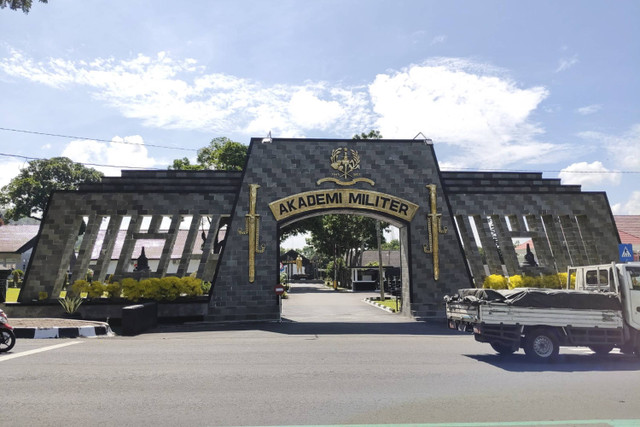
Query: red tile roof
x,y
14,237
629,228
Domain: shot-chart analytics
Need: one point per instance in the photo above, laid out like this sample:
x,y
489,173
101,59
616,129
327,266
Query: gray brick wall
x,y
566,225
286,167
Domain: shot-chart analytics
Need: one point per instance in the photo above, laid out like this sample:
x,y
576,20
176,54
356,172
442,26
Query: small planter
x,y
74,316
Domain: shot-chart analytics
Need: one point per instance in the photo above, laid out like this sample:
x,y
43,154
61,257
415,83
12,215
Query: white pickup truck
x,y
602,312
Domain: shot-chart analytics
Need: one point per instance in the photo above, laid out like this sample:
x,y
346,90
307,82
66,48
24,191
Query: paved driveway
x,y
312,302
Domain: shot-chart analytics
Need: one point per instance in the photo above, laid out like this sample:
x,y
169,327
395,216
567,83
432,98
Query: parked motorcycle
x,y
7,336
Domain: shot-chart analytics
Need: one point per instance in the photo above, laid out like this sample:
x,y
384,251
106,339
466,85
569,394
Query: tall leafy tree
x,y
27,194
344,236
185,164
24,5
221,154
373,134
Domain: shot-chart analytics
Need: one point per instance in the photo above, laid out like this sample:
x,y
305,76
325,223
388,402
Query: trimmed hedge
x,y
158,289
550,281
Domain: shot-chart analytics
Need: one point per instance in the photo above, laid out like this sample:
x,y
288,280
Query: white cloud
x,y
308,111
589,174
589,109
121,152
9,169
624,148
471,106
439,39
177,94
566,63
632,207
459,103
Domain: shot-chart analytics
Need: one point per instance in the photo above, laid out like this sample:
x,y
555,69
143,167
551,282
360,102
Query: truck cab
x,y
623,279
630,292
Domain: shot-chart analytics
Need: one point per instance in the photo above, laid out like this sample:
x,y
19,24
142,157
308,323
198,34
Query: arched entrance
x,y
288,179
353,262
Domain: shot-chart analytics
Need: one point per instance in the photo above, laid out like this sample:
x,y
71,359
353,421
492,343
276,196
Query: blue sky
x,y
498,85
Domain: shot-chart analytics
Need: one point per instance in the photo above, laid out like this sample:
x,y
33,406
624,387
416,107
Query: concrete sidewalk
x,y
58,328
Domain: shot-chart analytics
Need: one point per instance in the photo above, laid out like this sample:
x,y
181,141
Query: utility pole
x,y
380,269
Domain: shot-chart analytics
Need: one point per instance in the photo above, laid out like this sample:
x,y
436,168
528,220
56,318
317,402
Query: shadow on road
x,y
518,362
287,327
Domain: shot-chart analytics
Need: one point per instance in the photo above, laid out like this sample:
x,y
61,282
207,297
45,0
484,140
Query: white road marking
x,y
38,350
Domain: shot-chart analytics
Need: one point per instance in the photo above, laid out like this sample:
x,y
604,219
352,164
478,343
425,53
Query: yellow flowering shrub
x,y
495,281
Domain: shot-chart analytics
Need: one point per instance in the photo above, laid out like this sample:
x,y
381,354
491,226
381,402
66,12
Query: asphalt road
x,y
333,360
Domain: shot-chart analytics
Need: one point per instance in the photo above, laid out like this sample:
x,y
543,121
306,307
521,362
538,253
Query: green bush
x,y
516,281
190,286
562,277
70,304
131,289
113,289
530,282
551,281
495,281
16,277
79,287
206,287
96,289
165,289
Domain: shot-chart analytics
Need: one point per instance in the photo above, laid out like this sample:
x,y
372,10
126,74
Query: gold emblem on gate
x,y
345,161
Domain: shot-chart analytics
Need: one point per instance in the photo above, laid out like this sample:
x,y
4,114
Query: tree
x,y
393,245
25,5
221,154
373,134
27,194
346,236
185,164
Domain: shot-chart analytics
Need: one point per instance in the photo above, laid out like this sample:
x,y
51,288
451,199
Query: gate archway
x,y
288,179
459,227
401,226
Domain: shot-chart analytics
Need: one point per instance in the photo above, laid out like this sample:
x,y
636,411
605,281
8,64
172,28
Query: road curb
x,y
64,332
380,306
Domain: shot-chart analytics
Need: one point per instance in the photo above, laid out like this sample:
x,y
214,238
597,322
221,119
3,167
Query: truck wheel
x,y
541,345
504,349
601,350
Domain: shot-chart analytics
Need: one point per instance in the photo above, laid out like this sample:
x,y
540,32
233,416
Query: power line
x,y
458,169
192,149
85,164
93,139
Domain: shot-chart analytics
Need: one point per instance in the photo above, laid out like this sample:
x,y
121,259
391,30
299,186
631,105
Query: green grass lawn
x,y
12,294
391,303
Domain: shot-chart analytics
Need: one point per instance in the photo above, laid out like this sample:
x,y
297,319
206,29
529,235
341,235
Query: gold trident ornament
x,y
434,227
252,224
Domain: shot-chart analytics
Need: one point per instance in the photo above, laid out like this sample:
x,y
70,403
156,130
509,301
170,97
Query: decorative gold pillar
x,y
434,227
252,228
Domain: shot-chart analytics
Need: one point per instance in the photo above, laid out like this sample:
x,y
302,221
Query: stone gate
x,y
455,227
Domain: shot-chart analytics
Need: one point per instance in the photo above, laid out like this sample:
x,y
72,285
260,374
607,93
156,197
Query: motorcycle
x,y
7,336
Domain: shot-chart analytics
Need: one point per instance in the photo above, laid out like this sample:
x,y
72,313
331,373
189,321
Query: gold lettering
x,y
343,199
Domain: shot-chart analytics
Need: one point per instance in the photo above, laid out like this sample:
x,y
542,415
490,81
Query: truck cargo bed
x,y
530,307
